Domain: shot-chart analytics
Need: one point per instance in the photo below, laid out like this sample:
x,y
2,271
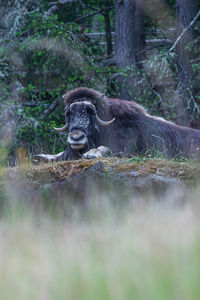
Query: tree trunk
x,y
185,12
108,27
139,30
124,32
129,41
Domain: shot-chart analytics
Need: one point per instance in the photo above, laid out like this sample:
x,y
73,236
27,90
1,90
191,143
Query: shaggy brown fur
x,y
134,130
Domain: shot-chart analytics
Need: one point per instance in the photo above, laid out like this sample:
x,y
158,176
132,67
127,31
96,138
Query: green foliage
x,y
49,60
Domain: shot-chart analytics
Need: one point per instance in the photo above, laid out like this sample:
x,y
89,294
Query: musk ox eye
x,y
67,113
89,110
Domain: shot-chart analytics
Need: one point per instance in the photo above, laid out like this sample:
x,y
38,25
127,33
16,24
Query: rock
x,y
134,174
121,178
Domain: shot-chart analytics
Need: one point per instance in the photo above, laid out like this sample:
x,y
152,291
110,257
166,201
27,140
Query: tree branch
x,y
54,6
51,108
89,15
194,60
184,31
96,12
60,2
50,11
109,62
31,104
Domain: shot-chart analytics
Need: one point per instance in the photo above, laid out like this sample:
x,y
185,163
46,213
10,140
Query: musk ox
x,y
93,120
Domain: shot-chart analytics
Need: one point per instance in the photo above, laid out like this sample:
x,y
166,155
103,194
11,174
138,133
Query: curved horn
x,y
62,128
104,123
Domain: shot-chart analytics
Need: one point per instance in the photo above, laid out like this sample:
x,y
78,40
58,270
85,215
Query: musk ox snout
x,y
77,139
77,136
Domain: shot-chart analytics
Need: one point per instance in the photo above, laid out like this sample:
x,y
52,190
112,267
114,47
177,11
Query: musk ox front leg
x,y
101,151
50,157
68,154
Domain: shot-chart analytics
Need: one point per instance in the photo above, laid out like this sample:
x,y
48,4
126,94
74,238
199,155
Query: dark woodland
x,y
146,51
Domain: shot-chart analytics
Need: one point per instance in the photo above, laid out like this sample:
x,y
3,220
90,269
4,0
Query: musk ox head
x,y
82,122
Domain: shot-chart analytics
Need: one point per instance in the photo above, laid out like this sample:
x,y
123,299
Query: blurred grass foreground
x,y
103,238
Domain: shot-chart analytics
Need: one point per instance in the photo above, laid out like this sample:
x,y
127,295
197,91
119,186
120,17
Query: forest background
x,y
144,50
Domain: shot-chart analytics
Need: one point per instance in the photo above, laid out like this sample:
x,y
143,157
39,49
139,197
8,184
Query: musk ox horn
x,y
104,123
62,128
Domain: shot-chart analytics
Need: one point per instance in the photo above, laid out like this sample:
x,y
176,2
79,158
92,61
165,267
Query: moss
x,y
187,172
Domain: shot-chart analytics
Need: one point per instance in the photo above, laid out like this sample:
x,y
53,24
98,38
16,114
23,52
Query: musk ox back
x,y
94,120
